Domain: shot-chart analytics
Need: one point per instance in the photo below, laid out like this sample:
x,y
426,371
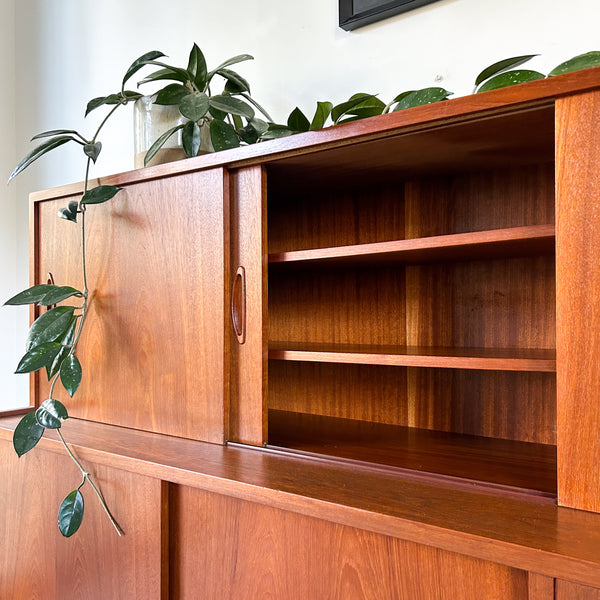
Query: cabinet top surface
x,y
501,115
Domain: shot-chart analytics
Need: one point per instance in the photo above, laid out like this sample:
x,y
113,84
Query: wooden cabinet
x,y
391,324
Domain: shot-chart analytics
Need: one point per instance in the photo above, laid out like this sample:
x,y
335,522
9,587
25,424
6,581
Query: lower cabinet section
x,y
37,563
186,543
565,590
224,548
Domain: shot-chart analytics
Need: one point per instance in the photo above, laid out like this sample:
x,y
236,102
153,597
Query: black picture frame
x,y
357,13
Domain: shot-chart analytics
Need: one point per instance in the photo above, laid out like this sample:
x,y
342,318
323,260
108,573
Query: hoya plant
x,y
228,117
54,336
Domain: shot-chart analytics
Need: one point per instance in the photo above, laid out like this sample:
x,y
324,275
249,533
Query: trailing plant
x,y
359,106
54,335
229,115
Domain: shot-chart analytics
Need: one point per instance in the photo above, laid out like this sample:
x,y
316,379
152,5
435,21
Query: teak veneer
x,y
353,363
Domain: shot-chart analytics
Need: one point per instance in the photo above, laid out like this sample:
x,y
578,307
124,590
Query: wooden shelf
x,y
488,359
503,464
514,241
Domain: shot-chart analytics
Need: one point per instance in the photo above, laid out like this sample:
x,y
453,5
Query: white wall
x,y
68,51
13,263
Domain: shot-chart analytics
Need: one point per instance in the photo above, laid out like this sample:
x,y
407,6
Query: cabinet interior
x,y
411,302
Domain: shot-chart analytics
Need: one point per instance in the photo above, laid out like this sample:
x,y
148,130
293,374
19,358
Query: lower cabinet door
x,y
565,590
37,563
225,548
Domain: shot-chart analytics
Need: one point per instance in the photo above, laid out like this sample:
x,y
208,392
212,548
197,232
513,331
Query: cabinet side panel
x,y
153,348
248,421
249,551
578,300
37,563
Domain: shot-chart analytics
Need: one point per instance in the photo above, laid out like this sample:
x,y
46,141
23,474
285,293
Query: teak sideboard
x,y
357,363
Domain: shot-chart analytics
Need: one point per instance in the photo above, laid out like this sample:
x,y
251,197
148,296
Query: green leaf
x,y
58,294
54,132
66,343
236,84
502,65
70,374
231,61
27,434
70,513
369,108
51,414
276,131
50,326
166,73
92,150
297,121
100,101
233,106
257,105
68,214
138,63
39,151
581,61
194,106
223,135
321,115
420,97
191,137
510,78
171,94
30,295
341,109
38,357
197,68
100,194
158,144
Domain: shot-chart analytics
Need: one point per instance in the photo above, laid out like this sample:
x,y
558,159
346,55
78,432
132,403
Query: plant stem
x,y
87,477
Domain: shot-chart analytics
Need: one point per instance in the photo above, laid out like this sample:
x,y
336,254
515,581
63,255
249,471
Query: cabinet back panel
x,y
493,199
324,216
518,406
360,306
504,303
309,218
482,304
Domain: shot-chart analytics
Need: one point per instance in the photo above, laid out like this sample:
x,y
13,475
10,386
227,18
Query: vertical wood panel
x,y
565,590
578,299
540,587
228,548
153,349
37,563
248,419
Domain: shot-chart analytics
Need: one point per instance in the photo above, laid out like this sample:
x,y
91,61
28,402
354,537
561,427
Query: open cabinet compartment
x,y
412,303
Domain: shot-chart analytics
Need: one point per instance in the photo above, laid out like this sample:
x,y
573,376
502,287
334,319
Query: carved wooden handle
x,y
238,304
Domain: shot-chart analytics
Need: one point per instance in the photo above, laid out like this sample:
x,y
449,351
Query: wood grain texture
x,y
486,403
37,563
318,215
153,348
248,422
490,359
540,587
489,304
477,201
533,536
514,241
578,300
250,551
566,590
478,459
